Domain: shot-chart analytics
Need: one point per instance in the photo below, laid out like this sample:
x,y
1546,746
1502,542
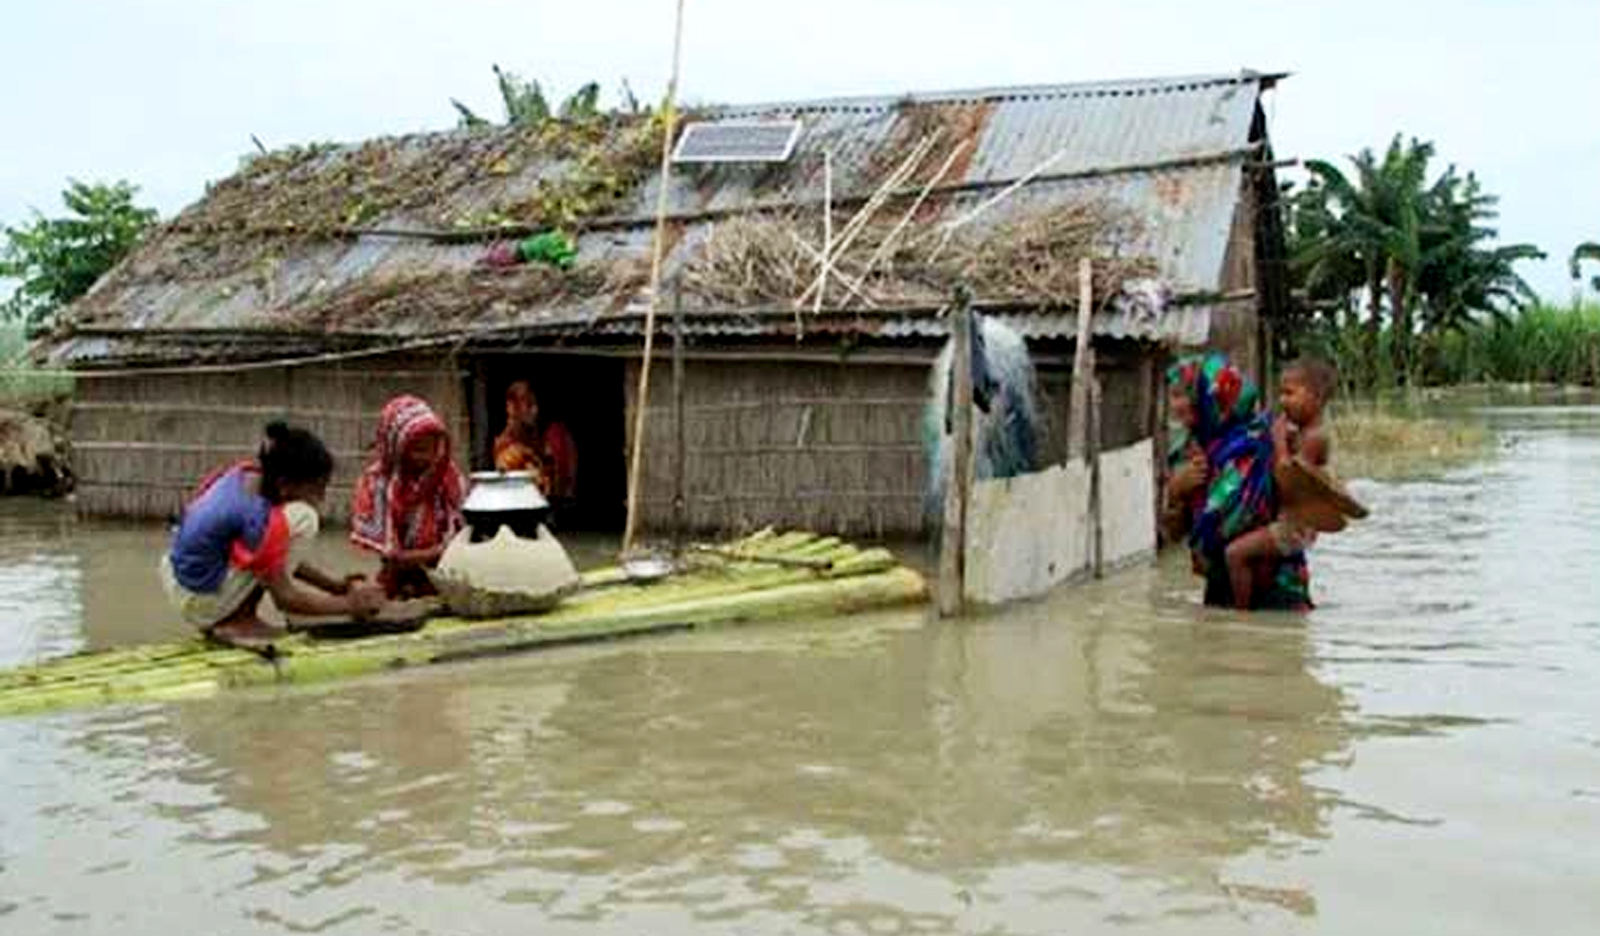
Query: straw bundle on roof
x,y
766,260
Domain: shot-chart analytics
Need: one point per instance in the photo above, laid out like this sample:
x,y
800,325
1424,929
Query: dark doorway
x,y
584,394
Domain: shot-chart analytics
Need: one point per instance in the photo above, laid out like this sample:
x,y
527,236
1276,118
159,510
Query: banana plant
x,y
1588,250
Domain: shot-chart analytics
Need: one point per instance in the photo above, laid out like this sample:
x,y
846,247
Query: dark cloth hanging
x,y
984,383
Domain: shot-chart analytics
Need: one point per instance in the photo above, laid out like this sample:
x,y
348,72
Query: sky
x,y
168,94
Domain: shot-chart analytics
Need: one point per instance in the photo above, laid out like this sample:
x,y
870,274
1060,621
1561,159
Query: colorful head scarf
x,y
1223,398
393,513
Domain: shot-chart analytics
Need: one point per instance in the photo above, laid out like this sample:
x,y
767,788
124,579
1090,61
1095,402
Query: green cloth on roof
x,y
552,247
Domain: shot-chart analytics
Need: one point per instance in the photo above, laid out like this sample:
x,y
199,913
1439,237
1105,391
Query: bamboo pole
x,y
885,191
669,115
1082,365
879,198
905,218
482,437
680,498
817,256
1096,494
800,562
953,537
827,235
1156,425
1022,180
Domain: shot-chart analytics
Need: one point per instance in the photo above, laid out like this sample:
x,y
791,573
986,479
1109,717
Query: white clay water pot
x,y
504,575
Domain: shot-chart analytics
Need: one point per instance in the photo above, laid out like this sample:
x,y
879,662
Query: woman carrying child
x,y
407,504
1222,486
245,533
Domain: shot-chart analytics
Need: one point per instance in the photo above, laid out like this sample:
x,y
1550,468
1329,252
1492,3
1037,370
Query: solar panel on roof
x,y
760,141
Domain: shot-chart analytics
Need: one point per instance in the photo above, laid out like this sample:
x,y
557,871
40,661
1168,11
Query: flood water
x,y
1420,754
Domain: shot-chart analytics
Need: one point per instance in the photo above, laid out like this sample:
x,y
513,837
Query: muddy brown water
x,y
1420,754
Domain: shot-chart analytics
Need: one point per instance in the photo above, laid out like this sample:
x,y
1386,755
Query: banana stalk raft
x,y
763,577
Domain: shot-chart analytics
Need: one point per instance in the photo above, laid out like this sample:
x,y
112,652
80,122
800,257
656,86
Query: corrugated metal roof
x,y
1169,151
1187,324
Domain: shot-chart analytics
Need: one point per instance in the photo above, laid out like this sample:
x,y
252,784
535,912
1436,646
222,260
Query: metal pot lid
x,y
501,475
503,492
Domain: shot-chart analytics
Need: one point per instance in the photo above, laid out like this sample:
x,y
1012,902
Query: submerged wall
x,y
141,443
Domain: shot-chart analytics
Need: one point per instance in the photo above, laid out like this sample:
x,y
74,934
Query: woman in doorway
x,y
531,442
407,504
1222,485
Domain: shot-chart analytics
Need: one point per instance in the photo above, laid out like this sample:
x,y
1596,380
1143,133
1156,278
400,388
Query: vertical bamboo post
x,y
1157,425
482,435
827,231
1096,495
1082,364
953,536
1148,395
669,116
679,493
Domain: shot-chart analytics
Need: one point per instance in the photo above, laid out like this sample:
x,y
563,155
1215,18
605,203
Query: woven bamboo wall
x,y
1124,398
141,443
832,447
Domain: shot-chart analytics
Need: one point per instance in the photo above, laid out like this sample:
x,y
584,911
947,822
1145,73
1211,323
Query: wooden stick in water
x,y
680,500
958,483
1082,364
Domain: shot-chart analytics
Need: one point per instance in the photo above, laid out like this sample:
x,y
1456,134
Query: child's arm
x,y
362,599
317,578
406,558
1315,447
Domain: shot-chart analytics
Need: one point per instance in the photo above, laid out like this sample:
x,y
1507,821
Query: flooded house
x,y
811,249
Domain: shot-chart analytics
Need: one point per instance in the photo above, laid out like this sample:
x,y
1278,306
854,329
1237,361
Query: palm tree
x,y
1466,284
1588,250
1422,251
1374,223
1410,228
1338,248
1324,263
1462,277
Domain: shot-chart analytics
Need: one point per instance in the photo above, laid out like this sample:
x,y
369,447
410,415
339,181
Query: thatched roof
x,y
335,246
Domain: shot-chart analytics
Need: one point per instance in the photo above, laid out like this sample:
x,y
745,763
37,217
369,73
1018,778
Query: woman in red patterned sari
x,y
408,502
